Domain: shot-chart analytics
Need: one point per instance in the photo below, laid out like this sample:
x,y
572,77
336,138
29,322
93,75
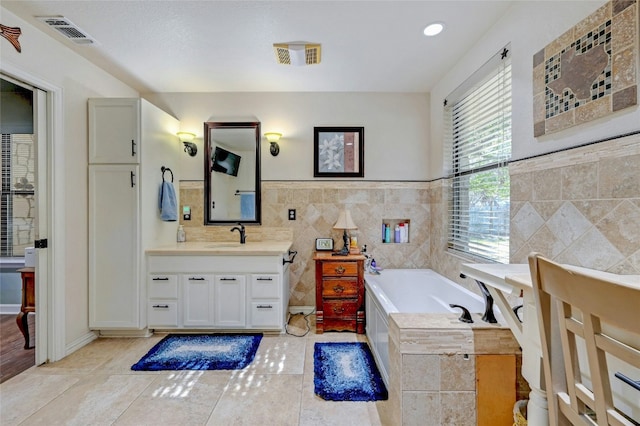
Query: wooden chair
x,y
606,315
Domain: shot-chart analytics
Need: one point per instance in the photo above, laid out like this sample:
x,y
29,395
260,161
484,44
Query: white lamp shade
x,y
345,221
273,136
186,136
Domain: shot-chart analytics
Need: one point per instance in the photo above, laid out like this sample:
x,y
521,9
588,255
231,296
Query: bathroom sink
x,y
223,245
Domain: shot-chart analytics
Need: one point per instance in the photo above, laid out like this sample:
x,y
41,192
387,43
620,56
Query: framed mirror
x,y
231,173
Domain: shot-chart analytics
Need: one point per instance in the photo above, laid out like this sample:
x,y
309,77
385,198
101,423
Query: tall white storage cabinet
x,y
129,141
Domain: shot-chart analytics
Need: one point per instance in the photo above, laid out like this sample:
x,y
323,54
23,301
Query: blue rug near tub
x,y
346,372
201,352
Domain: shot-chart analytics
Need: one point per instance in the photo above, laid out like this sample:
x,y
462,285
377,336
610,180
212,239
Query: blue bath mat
x,y
201,352
346,372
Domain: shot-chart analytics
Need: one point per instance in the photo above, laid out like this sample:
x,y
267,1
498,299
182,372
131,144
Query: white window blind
x,y
478,118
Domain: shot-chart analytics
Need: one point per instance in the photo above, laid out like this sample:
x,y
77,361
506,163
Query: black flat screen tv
x,y
225,162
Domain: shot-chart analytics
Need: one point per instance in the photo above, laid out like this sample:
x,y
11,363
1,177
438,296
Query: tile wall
x,y
317,207
563,205
580,206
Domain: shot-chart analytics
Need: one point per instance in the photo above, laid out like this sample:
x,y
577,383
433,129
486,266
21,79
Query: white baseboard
x,y
7,309
301,309
145,332
80,342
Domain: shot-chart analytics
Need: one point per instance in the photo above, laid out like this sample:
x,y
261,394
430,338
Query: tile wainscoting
x,y
317,207
580,206
562,204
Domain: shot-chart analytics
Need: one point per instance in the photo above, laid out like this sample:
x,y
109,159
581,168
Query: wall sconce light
x,y
189,147
273,139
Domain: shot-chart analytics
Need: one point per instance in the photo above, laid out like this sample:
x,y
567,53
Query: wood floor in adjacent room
x,y
14,359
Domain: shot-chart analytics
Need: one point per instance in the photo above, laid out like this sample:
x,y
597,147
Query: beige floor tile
x,y
177,398
259,399
97,399
315,411
95,385
24,394
279,355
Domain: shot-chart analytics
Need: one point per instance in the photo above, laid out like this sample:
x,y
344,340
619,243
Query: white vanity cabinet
x,y
230,300
197,291
162,307
129,141
243,289
264,307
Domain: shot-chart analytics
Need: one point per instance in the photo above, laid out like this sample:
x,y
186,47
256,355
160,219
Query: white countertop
x,y
512,277
217,248
495,274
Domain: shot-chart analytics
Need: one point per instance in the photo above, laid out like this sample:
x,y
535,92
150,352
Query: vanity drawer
x,y
344,309
162,313
266,314
265,286
337,288
339,269
163,286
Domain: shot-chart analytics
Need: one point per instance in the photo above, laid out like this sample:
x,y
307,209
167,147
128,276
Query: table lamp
x,y
344,222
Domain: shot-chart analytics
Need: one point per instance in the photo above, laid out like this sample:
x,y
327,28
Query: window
x,y
17,199
478,116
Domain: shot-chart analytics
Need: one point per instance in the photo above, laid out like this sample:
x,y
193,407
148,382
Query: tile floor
x,y
96,386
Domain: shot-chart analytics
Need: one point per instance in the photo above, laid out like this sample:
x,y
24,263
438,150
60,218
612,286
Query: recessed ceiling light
x,y
434,29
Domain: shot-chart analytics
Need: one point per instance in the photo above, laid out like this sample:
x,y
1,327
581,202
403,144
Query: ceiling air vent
x,y
297,53
68,29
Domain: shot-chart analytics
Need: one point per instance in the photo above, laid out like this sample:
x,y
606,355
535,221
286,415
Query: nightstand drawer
x,y
337,288
344,309
339,269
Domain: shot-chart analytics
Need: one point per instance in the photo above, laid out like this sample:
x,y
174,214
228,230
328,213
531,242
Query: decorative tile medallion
x,y
588,72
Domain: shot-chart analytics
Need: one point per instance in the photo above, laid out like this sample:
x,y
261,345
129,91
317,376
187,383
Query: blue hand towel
x,y
167,202
247,206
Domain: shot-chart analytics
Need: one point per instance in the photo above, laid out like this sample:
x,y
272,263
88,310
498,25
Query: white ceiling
x,y
227,46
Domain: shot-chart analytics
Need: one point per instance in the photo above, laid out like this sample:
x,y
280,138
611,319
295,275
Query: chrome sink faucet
x,y
243,235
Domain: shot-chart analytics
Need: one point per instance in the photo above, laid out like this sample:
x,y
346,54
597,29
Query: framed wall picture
x,y
324,244
338,152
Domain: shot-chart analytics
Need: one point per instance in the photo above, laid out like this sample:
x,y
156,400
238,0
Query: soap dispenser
x,y
182,236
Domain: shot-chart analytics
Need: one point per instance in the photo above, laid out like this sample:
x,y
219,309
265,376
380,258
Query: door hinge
x,y
40,243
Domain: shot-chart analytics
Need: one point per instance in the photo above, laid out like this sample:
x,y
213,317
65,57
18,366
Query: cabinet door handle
x,y
265,279
133,182
338,289
338,310
264,306
227,279
133,148
340,270
161,306
196,279
160,279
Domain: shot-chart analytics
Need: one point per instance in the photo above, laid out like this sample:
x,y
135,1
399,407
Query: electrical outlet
x,y
292,214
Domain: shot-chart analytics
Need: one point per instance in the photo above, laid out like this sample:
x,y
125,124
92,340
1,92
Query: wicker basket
x,y
520,412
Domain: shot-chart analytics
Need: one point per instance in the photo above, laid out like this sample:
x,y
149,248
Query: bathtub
x,y
408,291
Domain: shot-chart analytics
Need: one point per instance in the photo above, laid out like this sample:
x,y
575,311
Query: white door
x,y
109,143
42,223
230,300
198,300
114,296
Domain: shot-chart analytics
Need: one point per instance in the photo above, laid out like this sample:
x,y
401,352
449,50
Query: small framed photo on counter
x,y
324,244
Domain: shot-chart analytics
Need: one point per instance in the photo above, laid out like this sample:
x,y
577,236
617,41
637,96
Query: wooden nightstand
x,y
28,302
339,293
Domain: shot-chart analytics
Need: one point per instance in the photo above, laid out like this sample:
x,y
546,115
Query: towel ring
x,y
166,169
